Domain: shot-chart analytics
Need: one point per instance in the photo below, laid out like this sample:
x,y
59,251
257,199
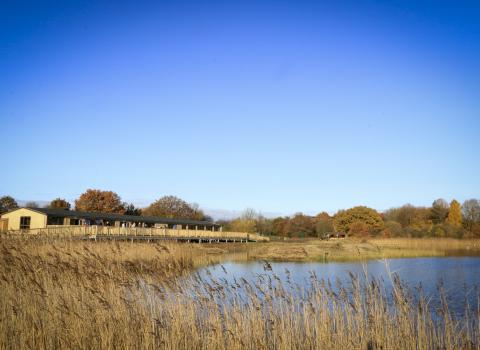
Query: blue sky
x,y
283,106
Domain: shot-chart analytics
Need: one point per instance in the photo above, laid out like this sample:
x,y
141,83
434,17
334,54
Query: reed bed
x,y
80,295
354,249
440,244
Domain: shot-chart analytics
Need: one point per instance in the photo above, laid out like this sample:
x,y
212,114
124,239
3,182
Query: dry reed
x,y
358,250
83,295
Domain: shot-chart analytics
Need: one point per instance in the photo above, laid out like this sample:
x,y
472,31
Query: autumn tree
x,y
301,226
421,224
404,215
173,207
100,201
59,203
409,216
439,211
454,216
7,203
247,222
359,228
392,229
264,225
439,231
358,219
323,224
242,225
279,226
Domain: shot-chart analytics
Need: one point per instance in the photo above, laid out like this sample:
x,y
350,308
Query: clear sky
x,y
282,106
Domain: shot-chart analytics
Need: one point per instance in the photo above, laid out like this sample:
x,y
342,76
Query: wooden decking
x,y
141,234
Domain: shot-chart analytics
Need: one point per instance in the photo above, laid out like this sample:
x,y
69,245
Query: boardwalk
x,y
141,233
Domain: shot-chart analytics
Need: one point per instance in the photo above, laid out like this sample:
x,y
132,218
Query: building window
x,y
54,220
24,222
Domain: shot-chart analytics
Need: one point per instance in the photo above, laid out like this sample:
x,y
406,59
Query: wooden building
x,y
37,218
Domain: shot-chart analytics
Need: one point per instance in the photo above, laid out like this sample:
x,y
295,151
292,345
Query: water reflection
x,y
459,276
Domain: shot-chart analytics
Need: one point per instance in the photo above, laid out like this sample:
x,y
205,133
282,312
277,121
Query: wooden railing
x,y
111,231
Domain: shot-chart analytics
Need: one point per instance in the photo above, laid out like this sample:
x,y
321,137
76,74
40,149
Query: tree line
x,y
441,219
100,201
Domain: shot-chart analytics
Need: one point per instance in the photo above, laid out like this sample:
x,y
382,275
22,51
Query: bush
x,y
439,231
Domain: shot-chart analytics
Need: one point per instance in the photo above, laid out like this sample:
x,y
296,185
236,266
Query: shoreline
x,y
346,250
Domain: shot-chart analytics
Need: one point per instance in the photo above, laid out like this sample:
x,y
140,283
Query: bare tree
x,y
471,212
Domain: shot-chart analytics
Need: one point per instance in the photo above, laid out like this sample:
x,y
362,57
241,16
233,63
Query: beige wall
x,y
37,220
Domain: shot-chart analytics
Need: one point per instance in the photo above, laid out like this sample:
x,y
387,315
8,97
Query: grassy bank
x,y
84,295
358,250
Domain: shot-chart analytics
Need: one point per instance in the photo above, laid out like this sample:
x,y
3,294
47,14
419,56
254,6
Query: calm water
x,y
460,276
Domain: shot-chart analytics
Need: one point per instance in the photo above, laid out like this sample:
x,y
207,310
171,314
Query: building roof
x,y
58,212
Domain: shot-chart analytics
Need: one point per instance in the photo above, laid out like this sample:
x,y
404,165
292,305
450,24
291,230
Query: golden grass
x,y
440,244
82,295
358,250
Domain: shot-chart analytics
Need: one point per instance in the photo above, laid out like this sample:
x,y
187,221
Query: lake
x,y
459,276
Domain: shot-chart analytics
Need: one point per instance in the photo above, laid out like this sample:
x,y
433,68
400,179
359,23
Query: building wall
x,y
37,220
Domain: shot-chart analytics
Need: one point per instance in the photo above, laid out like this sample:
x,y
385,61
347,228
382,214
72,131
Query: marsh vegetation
x,y
83,295
362,249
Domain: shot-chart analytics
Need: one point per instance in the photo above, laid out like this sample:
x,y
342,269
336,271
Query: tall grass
x,y
118,295
352,249
442,244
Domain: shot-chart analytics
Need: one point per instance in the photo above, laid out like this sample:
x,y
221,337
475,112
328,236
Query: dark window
x,y
24,222
54,220
74,221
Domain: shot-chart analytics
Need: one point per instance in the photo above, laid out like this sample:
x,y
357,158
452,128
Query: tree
x,y
32,204
207,218
7,203
247,222
198,213
323,224
301,226
358,219
59,203
264,225
279,226
173,207
404,215
439,211
130,209
439,231
250,214
409,216
242,225
454,216
475,230
421,222
393,229
100,201
471,212
359,228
